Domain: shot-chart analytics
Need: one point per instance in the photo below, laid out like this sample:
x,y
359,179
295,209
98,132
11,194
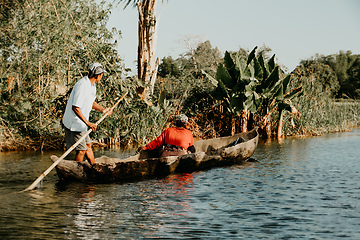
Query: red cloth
x,y
175,136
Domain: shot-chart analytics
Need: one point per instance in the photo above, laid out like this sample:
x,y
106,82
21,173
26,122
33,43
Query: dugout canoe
x,y
209,153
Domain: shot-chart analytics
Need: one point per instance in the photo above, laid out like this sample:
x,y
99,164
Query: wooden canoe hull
x,y
209,153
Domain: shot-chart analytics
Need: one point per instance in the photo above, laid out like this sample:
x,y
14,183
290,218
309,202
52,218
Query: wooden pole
x,y
36,182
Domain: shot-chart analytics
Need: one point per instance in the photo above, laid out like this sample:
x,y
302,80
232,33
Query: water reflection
x,y
179,188
88,216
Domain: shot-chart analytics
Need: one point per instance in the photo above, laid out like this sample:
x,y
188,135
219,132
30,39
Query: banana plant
x,y
236,87
276,96
269,89
252,86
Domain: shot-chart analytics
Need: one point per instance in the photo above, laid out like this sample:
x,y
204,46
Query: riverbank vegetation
x,y
46,46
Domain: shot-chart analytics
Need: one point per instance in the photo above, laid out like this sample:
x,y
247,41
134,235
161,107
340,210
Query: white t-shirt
x,y
83,96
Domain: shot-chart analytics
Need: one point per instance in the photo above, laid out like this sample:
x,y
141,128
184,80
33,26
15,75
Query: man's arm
x,y
99,108
78,113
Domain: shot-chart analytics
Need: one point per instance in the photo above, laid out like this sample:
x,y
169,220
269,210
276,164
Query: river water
x,y
299,189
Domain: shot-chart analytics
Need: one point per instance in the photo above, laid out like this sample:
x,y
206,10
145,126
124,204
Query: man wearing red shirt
x,y
176,140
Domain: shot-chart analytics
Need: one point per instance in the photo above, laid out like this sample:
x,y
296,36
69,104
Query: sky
x,y
295,30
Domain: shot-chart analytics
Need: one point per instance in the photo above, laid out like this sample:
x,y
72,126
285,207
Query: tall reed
x,y
319,116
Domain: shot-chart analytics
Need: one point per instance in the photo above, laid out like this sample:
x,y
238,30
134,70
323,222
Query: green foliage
x,y
337,74
322,76
202,57
168,67
247,83
177,78
252,85
341,63
319,76
133,121
207,114
46,46
6,8
149,121
352,84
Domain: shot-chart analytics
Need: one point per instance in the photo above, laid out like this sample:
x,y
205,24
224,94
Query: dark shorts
x,y
72,137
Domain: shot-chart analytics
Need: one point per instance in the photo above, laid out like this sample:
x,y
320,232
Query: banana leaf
x,y
240,66
251,55
284,106
294,93
211,78
250,88
162,98
237,104
264,68
224,92
272,79
249,72
258,71
230,65
249,104
273,91
222,75
271,63
286,81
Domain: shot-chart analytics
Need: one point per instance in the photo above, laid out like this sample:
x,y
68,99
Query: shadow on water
x,y
300,188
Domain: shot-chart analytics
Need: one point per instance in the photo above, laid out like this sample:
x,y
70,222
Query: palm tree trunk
x,y
147,61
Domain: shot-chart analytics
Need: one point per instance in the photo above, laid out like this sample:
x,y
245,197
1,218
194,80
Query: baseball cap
x,y
96,69
181,117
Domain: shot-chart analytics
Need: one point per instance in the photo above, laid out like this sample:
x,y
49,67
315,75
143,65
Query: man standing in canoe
x,y
76,117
